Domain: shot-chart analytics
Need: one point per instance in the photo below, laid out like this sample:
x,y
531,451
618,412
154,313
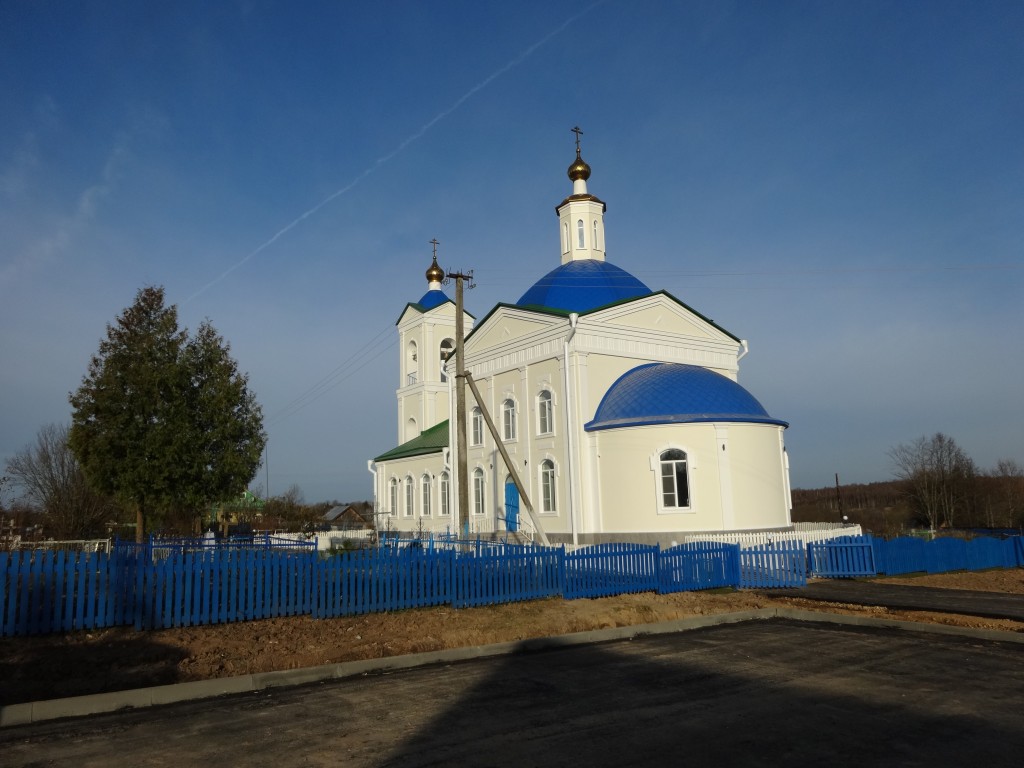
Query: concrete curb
x,y
80,706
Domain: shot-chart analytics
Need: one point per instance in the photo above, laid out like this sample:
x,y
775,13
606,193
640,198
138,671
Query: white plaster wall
x,y
753,476
415,466
630,487
758,476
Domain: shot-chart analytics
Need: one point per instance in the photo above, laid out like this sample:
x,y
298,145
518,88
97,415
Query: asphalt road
x,y
759,693
996,605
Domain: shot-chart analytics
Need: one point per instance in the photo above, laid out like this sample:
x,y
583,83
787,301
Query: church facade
x,y
618,405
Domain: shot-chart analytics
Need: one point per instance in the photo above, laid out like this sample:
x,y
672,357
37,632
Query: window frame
x,y
426,490
545,413
445,491
670,468
509,420
479,493
410,497
548,487
476,419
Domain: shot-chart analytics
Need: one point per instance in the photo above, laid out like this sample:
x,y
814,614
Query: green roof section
x,y
432,440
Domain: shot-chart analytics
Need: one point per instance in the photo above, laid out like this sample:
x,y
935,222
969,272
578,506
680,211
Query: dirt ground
x,y
54,666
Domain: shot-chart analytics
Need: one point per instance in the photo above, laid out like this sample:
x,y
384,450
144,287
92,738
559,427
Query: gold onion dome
x,y
435,274
579,169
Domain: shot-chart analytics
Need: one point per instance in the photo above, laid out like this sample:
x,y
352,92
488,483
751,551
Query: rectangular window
x,y
445,495
508,420
478,427
547,486
425,509
478,492
675,489
545,424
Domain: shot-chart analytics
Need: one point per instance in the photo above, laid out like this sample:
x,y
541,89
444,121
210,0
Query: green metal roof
x,y
432,440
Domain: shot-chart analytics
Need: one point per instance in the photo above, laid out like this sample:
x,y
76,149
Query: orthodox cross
x,y
577,131
435,243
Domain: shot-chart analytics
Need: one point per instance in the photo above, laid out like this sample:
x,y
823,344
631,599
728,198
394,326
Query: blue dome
x,y
433,299
580,286
671,393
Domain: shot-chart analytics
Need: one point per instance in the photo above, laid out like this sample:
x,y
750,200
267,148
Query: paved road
x,y
994,605
759,693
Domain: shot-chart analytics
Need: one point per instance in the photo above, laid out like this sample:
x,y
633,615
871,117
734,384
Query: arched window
x,y
425,495
446,491
446,349
477,420
579,230
478,492
411,429
410,497
565,237
675,488
508,419
547,486
393,496
545,420
594,241
411,364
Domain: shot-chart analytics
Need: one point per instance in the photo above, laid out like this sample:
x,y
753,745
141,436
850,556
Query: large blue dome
x,y
580,286
672,393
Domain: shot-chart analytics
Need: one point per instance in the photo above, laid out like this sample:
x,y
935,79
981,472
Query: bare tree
x,y
1010,475
52,480
938,475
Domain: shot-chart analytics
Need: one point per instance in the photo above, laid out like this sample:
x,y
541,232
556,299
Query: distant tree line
x,y
937,485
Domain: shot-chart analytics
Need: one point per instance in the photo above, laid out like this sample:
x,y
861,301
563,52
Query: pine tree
x,y
161,420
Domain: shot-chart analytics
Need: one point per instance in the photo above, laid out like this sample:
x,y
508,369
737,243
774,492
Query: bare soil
x,y
55,666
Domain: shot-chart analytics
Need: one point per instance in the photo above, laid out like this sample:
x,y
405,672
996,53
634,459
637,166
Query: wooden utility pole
x,y
839,500
509,464
460,397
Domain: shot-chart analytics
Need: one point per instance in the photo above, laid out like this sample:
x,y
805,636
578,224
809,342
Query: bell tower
x,y
581,215
426,336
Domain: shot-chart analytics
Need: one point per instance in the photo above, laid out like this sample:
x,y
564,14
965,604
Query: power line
x,y
333,378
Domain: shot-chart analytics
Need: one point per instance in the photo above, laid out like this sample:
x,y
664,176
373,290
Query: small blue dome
x,y
433,299
580,286
672,393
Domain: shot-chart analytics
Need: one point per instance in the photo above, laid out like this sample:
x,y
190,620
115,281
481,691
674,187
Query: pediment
x,y
444,311
662,314
505,327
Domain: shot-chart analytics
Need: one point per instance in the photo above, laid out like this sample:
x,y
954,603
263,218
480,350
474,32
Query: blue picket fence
x,y
382,579
772,566
912,555
611,569
45,591
698,565
844,557
521,573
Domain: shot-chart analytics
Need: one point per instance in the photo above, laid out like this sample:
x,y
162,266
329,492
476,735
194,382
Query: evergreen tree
x,y
162,421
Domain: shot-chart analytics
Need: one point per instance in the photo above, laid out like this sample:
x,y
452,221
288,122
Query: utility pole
x,y
460,394
839,500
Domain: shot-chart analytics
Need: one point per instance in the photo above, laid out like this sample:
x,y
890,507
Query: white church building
x,y
618,405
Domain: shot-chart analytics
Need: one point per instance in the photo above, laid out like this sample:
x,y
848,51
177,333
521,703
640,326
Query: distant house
x,y
243,509
349,517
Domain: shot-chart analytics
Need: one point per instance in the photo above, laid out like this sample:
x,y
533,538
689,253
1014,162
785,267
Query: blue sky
x,y
842,184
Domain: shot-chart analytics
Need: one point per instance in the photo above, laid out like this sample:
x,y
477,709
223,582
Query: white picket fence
x,y
336,539
806,533
68,545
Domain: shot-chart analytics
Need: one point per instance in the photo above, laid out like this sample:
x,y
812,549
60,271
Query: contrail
x,y
385,158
